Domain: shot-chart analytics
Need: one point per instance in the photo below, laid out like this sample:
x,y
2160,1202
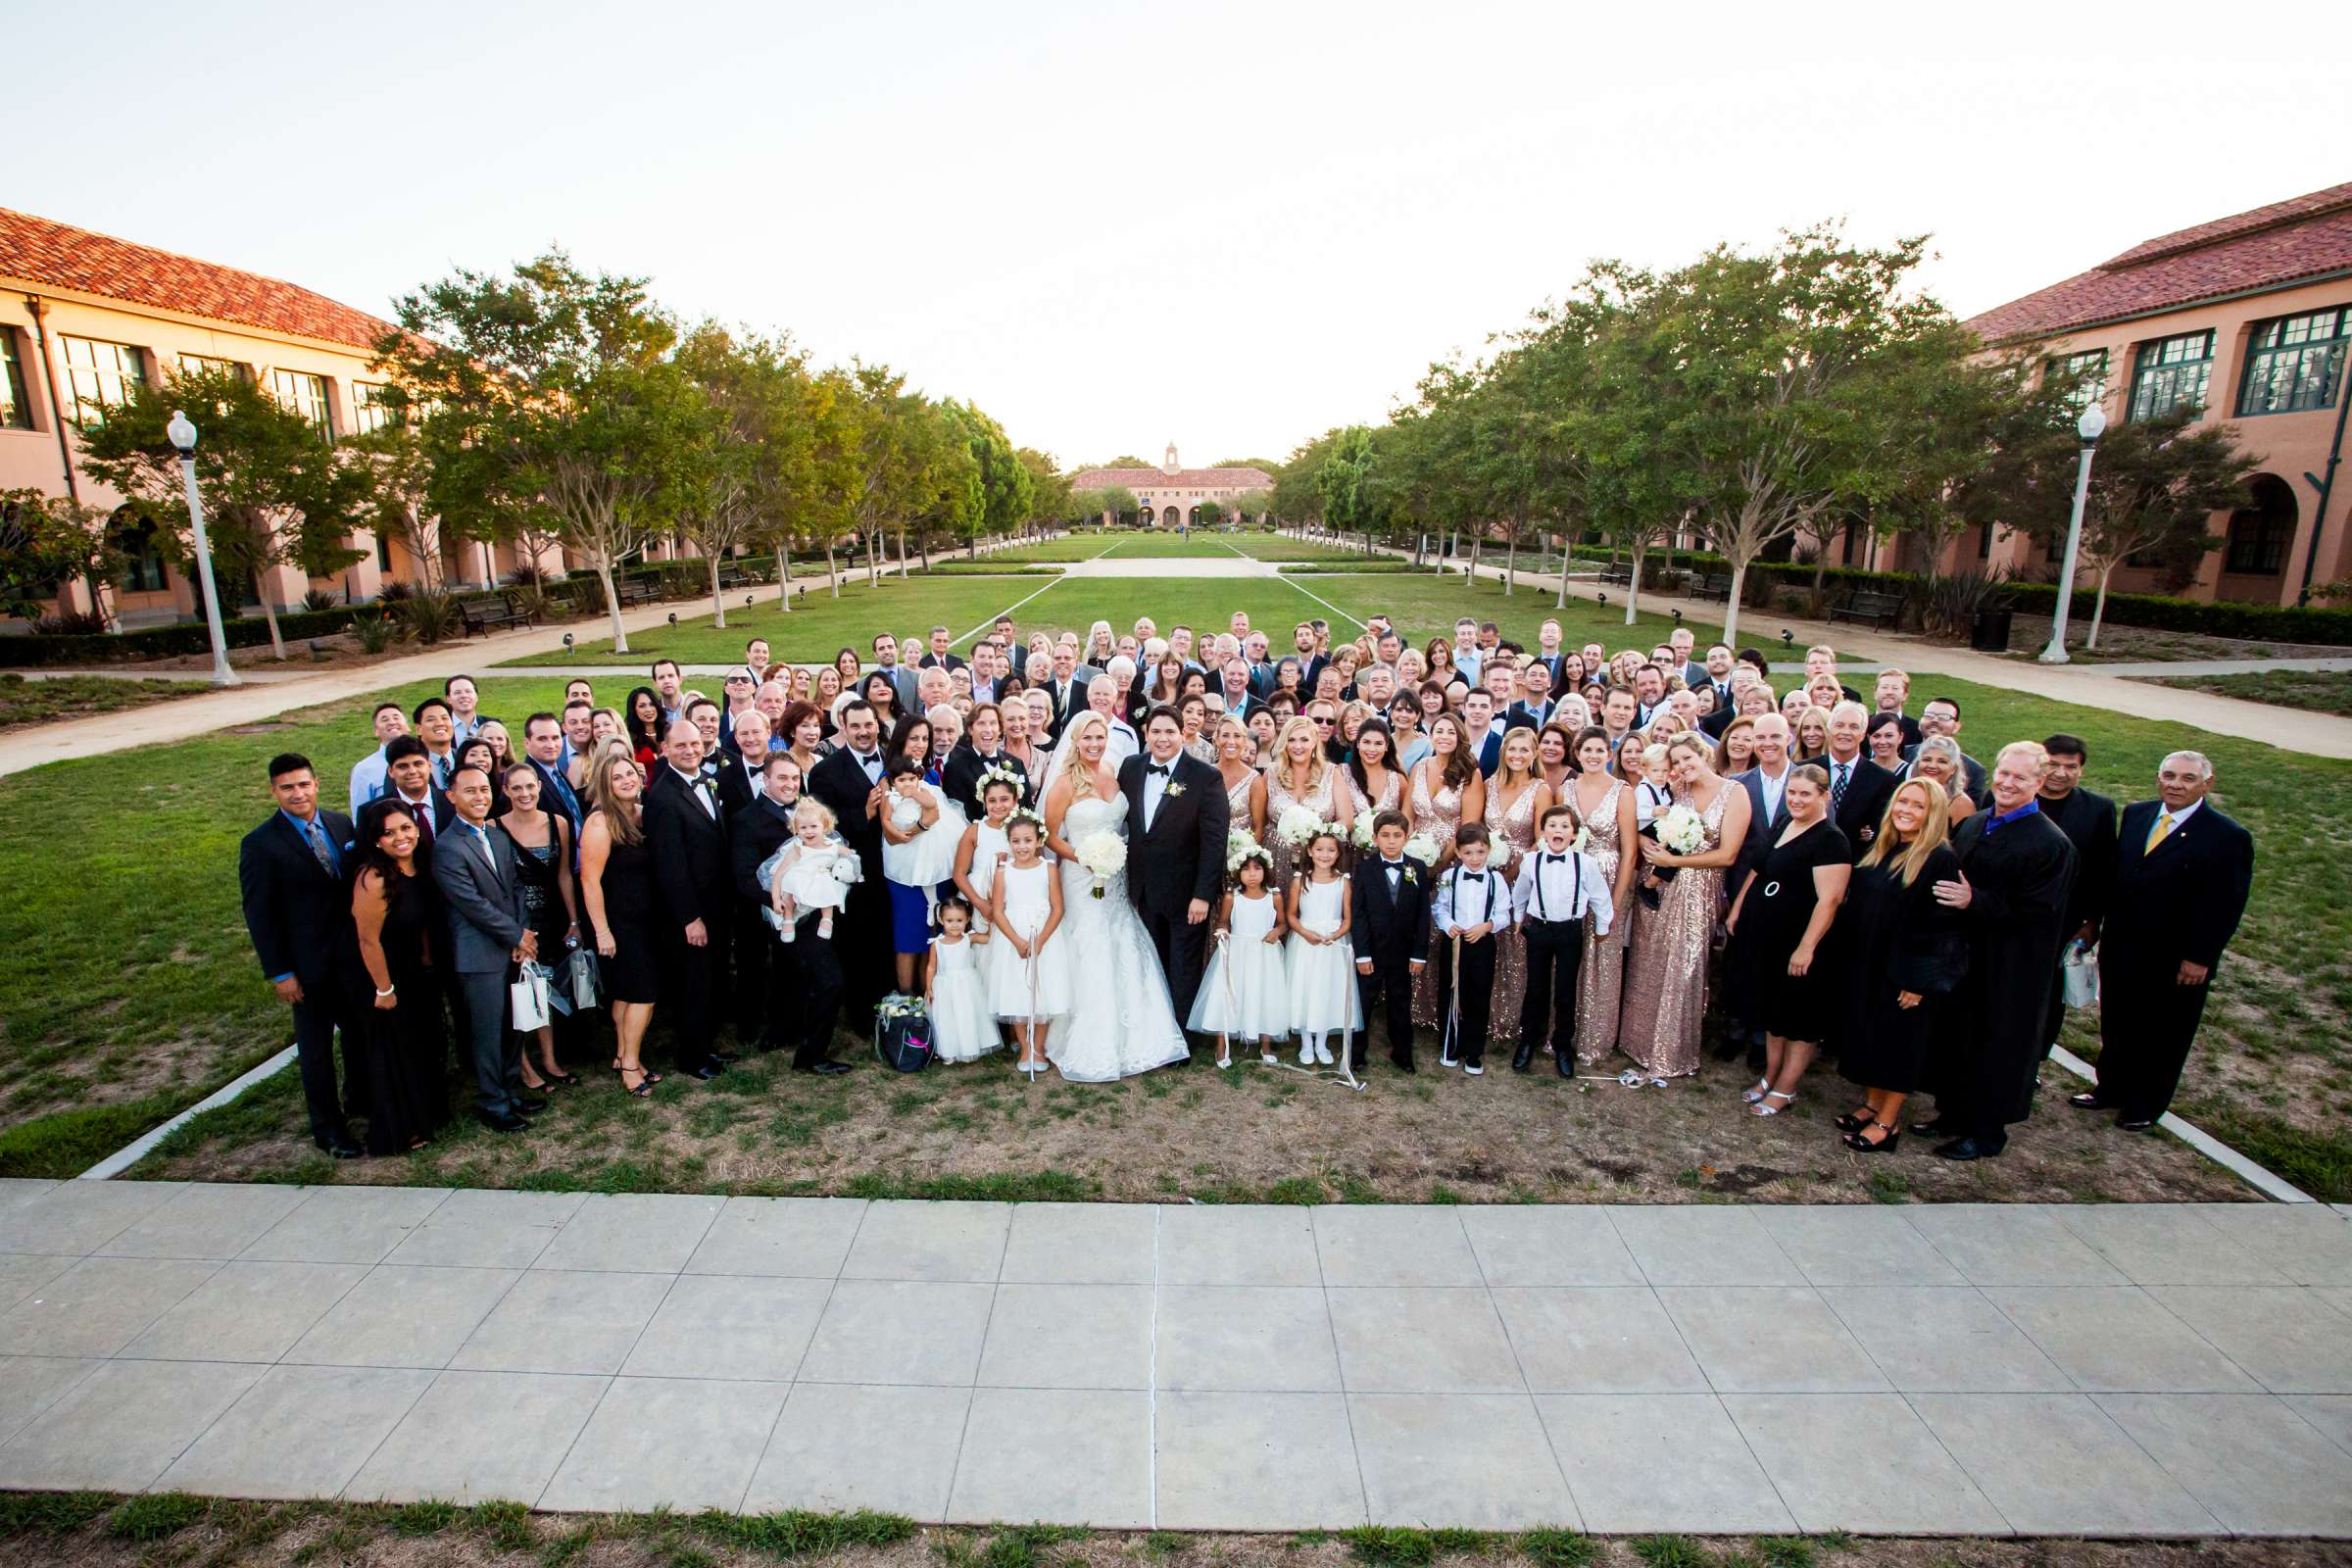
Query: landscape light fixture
x,y
183,436
2092,426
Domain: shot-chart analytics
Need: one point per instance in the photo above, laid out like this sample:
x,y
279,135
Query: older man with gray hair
x,y
2182,875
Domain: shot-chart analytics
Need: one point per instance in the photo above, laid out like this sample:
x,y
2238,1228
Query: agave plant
x,y
318,599
375,633
1948,601
430,614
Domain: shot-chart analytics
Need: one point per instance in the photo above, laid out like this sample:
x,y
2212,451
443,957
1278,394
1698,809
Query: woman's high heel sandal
x,y
1864,1146
1764,1106
1763,1088
645,1086
1852,1122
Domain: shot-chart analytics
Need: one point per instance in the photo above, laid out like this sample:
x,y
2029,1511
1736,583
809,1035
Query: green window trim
x,y
16,409
2295,363
2169,371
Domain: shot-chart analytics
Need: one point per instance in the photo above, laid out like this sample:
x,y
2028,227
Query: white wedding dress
x,y
1120,1022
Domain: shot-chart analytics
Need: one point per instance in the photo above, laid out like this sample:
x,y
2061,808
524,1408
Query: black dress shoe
x,y
1521,1057
1932,1127
1404,1063
504,1123
2135,1124
1565,1060
1970,1147
341,1147
833,1069
529,1108
706,1071
2089,1102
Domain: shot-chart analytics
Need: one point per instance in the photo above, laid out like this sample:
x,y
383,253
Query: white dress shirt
x,y
2165,814
368,779
1155,787
1467,898
1773,789
1563,887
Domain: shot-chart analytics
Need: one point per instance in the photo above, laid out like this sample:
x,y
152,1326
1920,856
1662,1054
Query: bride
x,y
1121,1021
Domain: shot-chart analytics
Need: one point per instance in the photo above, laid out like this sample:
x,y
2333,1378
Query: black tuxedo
x,y
1391,930
961,778
1868,789
2087,821
1490,752
752,944
800,997
1178,858
862,932
297,914
737,787
692,881
2177,903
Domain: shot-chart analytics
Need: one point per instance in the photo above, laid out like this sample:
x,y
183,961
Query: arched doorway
x,y
2262,535
1169,518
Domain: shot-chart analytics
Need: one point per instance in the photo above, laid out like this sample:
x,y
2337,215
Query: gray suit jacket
x,y
906,682
486,915
1694,673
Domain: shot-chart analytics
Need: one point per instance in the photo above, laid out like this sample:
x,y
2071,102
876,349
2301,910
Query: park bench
x,y
734,574
1879,610
636,591
1714,585
489,615
1617,572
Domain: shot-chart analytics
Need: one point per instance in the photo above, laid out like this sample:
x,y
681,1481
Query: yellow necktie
x,y
2159,833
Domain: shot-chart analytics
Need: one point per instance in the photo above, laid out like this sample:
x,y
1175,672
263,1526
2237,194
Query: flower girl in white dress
x,y
1028,977
1321,962
1245,993
984,846
964,1027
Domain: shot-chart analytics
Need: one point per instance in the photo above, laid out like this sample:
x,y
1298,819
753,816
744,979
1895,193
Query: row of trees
x,y
554,408
1760,402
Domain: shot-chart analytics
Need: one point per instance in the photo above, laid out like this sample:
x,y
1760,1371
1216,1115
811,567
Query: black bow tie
x,y
1550,858
1161,768
1474,876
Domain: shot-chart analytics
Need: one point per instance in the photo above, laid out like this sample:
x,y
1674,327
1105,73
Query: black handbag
x,y
903,1041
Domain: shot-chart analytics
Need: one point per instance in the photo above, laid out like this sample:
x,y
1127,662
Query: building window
x,y
99,375
206,364
2260,535
2294,362
306,395
143,563
2086,373
2172,371
368,411
16,413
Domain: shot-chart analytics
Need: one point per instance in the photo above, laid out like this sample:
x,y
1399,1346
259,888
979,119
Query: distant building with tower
x,y
1171,494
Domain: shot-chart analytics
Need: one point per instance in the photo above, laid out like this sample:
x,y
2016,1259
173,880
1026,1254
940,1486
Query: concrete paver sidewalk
x,y
1977,1370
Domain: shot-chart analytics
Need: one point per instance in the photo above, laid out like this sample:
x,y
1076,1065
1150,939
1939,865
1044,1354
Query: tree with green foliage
x,y
546,400
1298,495
1342,483
48,541
1051,498
275,491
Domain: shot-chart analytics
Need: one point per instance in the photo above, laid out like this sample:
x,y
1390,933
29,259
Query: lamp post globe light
x,y
183,436
2090,427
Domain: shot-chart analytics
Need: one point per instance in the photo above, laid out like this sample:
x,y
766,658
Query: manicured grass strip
x,y
41,701
2311,691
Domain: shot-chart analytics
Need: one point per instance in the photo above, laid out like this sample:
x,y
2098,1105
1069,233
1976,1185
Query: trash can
x,y
1990,632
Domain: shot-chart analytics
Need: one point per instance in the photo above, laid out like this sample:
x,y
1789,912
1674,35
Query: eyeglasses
x,y
1323,724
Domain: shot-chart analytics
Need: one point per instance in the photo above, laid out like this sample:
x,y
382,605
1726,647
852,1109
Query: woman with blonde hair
x,y
1300,776
1809,735
1236,765
617,888
1904,947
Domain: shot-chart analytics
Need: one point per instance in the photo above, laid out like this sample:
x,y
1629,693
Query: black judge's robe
x,y
1988,1037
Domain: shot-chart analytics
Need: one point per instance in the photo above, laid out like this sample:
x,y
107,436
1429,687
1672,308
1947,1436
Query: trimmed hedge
x,y
169,642
1354,567
2155,611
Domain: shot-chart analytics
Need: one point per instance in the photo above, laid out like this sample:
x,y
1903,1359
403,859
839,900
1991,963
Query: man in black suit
x,y
2014,866
686,835
849,783
980,750
1859,788
802,997
1177,817
742,774
408,779
2181,880
1388,929
543,747
2087,821
938,657
489,930
297,905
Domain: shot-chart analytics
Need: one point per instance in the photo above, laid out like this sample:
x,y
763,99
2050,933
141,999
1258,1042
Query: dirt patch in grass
x,y
95,1530
1251,1133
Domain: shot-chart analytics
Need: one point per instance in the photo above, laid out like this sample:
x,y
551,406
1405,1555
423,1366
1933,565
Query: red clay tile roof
x,y
2269,247
36,250
1156,479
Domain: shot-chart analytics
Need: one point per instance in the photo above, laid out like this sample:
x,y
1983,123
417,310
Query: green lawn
x,y
2313,691
1422,606
130,988
1087,545
29,701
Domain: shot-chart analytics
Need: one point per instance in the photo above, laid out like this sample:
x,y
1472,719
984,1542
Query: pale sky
x,y
1232,226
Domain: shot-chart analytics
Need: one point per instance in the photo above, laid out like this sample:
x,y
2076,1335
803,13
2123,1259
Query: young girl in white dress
x,y
984,847
813,870
1028,979
964,1027
1321,962
1245,993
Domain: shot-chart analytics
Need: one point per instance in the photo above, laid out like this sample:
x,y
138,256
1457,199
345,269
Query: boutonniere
x,y
1412,877
1173,790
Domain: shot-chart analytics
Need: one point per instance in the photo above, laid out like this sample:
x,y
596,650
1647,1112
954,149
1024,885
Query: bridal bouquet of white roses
x,y
1297,825
1421,847
1363,828
1682,831
1104,854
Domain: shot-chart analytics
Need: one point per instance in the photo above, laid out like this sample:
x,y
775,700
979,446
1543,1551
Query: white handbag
x,y
2080,974
529,996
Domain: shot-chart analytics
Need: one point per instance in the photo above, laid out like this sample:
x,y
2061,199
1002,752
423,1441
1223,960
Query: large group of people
x,y
1089,850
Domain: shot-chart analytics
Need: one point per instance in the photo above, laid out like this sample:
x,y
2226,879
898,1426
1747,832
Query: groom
x,y
1176,821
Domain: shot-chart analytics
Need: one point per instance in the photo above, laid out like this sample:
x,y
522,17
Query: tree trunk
x,y
1510,561
1731,609
718,599
1478,541
902,552
784,578
832,573
277,644
2098,611
1633,585
874,558
1562,602
603,574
